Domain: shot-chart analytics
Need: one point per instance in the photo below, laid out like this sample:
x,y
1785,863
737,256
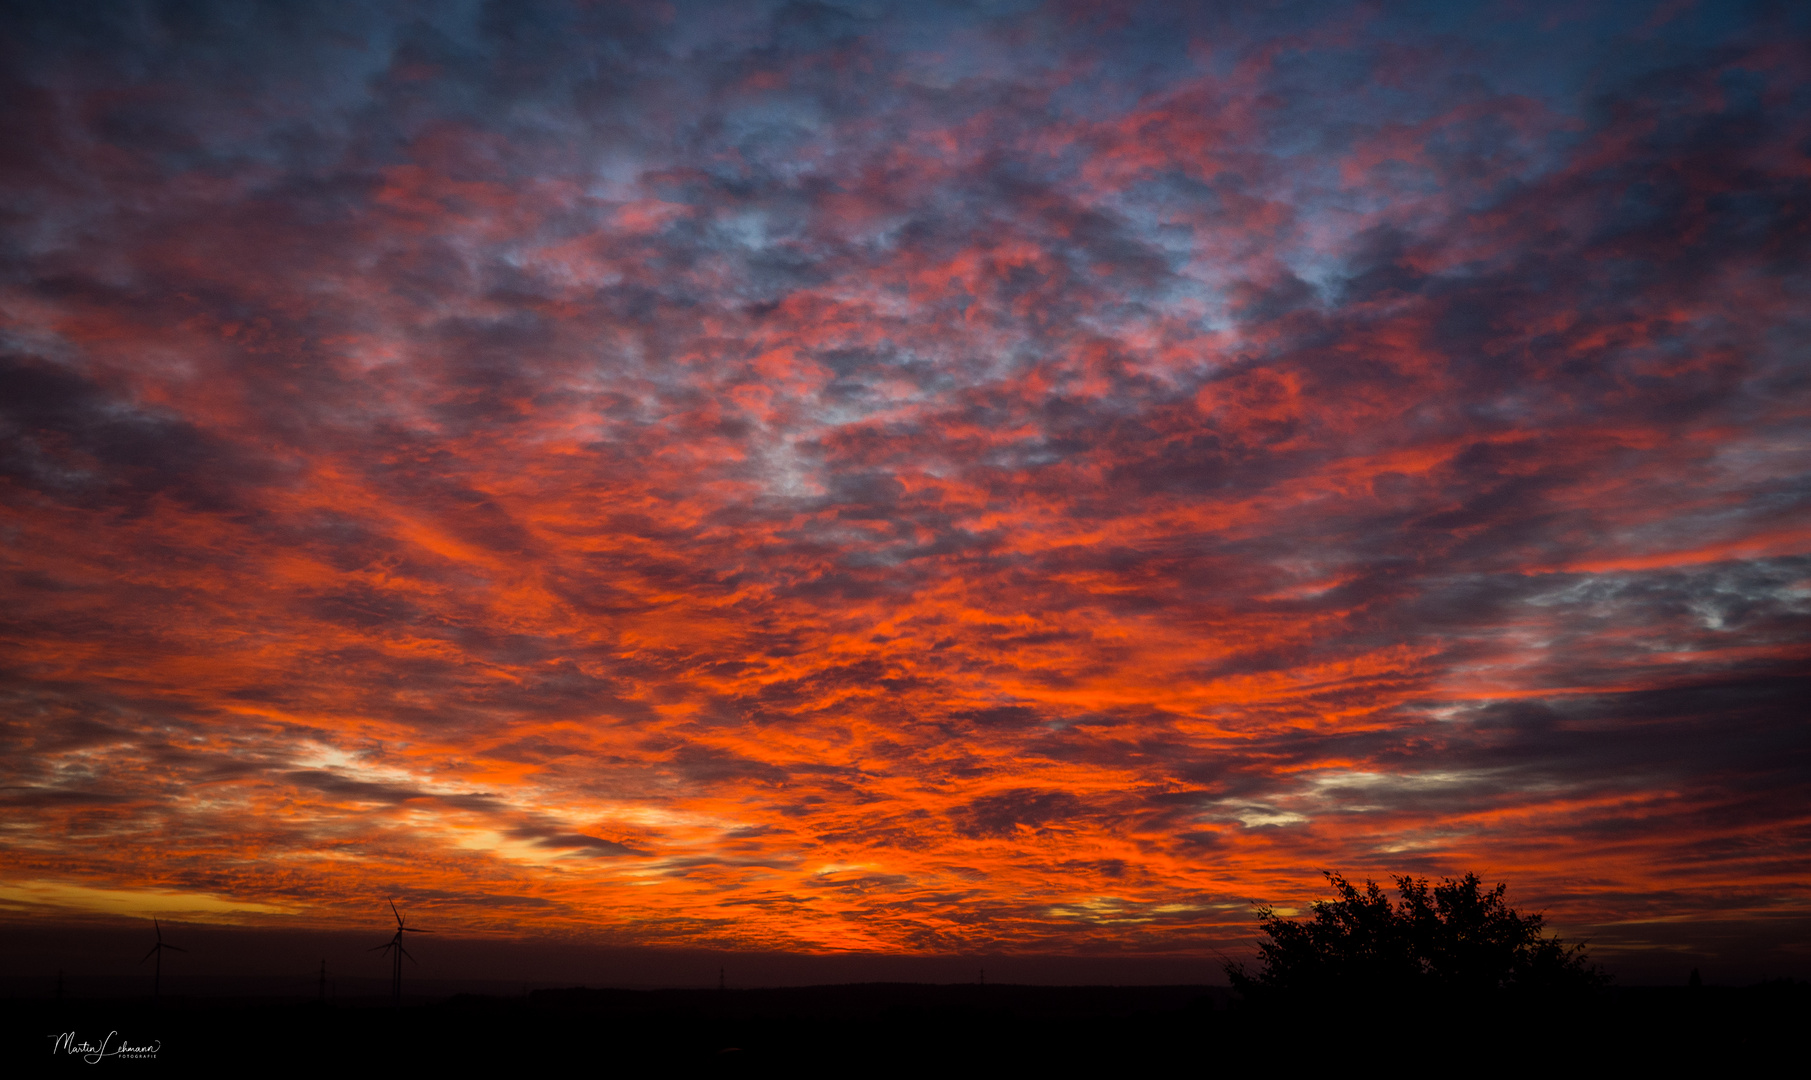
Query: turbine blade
x,y
396,913
376,948
414,930
412,960
147,956
174,948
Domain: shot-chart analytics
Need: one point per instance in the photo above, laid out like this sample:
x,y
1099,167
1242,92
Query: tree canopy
x,y
1455,940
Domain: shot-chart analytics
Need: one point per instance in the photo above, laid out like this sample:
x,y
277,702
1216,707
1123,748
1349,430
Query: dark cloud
x,y
569,841
1003,814
65,437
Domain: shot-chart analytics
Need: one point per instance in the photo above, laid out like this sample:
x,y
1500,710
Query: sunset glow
x,y
1023,478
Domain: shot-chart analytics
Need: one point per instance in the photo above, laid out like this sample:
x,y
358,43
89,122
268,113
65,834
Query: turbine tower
x,y
157,951
395,943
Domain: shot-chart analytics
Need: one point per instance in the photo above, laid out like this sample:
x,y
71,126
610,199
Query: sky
x,y
906,479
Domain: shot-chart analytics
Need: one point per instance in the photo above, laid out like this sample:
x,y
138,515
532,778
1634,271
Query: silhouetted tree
x,y
1454,942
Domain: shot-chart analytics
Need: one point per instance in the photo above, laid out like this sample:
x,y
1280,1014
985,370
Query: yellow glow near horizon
x,y
34,896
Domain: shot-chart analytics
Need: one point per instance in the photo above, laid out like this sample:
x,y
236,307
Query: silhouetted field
x,y
885,1026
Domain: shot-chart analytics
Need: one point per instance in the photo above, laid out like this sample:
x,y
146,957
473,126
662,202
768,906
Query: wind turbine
x,y
157,951
396,944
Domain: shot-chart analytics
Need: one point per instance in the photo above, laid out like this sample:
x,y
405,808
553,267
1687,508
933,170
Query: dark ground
x,y
888,1028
